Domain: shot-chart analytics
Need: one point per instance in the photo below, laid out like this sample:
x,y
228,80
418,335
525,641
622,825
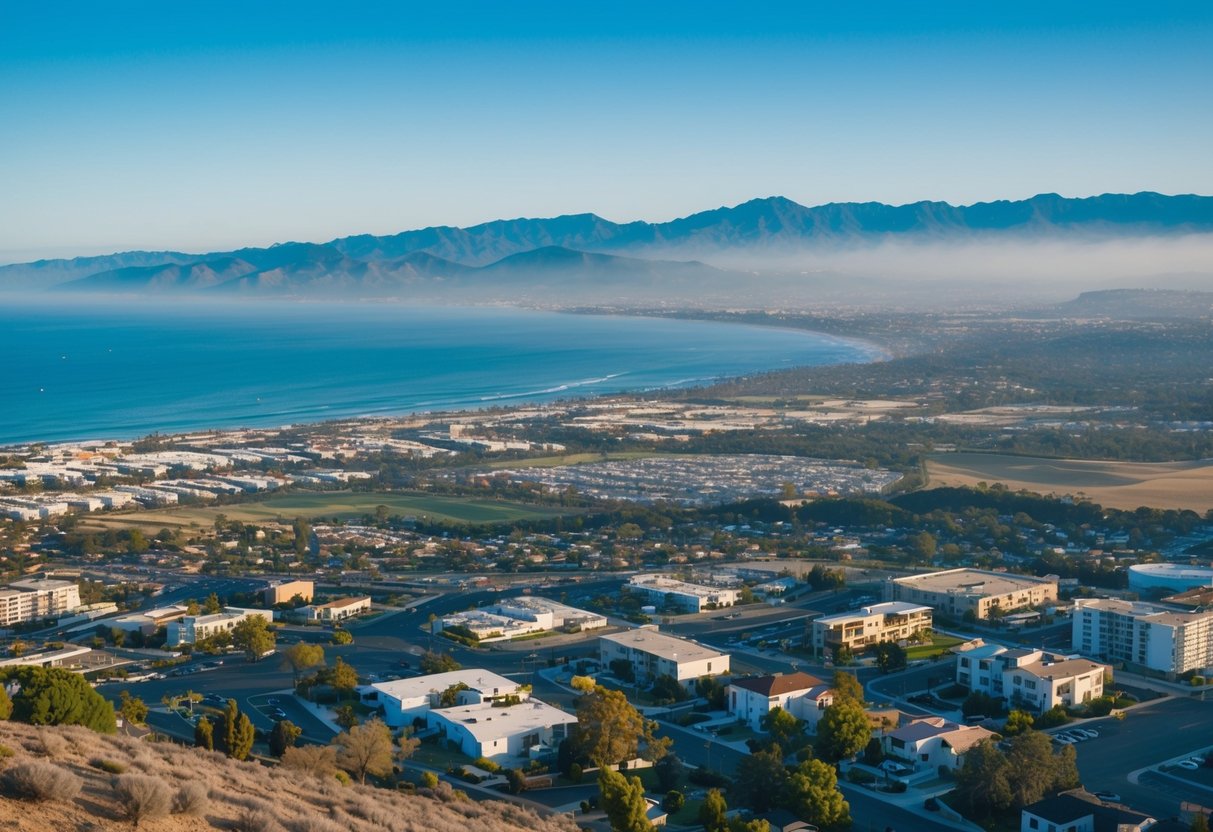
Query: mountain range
x,y
534,255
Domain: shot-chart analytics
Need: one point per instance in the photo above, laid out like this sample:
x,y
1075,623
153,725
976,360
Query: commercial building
x,y
195,628
927,744
490,730
282,592
859,629
664,591
148,621
652,654
339,610
803,696
37,599
68,657
1141,634
1172,577
404,700
957,592
521,616
1030,679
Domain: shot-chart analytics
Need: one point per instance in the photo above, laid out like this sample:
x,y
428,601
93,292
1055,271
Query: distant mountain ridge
x,y
580,246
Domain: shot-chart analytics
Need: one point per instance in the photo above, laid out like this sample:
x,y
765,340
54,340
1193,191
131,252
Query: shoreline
x,y
562,392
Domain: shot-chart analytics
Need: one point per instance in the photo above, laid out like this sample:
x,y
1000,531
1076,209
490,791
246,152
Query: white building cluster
x,y
1029,679
521,616
663,591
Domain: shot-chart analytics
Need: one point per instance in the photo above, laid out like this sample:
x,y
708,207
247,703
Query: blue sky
x,y
207,126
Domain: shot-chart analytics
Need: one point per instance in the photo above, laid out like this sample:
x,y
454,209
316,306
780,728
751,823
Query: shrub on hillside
x,y
314,823
191,799
40,781
141,797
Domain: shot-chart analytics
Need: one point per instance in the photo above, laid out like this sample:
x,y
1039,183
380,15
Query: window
x,y
1033,823
709,667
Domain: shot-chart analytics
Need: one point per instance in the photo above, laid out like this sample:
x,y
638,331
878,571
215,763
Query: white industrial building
x,y
195,628
493,731
521,616
662,591
1147,635
1173,577
1028,679
339,610
803,696
652,654
404,700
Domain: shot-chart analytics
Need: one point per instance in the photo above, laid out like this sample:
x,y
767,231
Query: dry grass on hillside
x,y
246,797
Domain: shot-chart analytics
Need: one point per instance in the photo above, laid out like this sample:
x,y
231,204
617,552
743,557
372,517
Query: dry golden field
x,y
1123,485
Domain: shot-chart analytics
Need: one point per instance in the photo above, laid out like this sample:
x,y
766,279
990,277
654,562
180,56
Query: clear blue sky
x,y
204,126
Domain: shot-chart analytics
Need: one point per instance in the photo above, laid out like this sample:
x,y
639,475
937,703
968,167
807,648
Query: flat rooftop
x,y
488,722
873,610
416,687
1140,609
971,582
663,646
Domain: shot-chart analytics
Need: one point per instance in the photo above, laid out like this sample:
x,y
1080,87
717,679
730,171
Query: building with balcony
x,y
957,592
1030,680
857,630
1143,635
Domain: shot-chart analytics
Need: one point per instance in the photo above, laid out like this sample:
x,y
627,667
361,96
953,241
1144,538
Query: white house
x,y
652,654
1030,679
932,742
803,696
490,730
404,700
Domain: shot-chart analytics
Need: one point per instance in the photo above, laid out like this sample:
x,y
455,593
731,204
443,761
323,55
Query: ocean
x,y
121,371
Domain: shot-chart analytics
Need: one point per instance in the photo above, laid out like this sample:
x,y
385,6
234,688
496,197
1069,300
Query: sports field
x,y
1123,485
341,504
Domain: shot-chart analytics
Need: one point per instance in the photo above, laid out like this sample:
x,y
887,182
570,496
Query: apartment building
x,y
37,599
652,654
1031,680
1142,634
955,592
861,628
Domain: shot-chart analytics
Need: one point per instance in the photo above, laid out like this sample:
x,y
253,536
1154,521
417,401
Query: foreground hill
x,y
572,247
242,795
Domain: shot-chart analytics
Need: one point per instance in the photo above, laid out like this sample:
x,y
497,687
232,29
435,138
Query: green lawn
x,y
341,504
939,643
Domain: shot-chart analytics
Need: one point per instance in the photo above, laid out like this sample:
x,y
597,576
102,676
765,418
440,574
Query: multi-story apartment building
x,y
36,599
1030,679
1145,635
861,628
652,654
955,592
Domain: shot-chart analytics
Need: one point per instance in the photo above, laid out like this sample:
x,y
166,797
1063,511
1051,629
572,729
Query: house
x,y
927,744
1030,679
338,610
781,820
1079,811
803,696
488,729
404,700
652,654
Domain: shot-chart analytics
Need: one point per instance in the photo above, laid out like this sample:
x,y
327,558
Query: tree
x,y
760,779
342,637
980,704
365,749
673,801
1033,769
450,697
212,604
623,801
432,662
346,717
237,734
204,734
923,545
669,771
254,637
407,746
712,812
6,704
1065,765
784,729
54,696
846,687
890,656
983,783
1017,722
515,781
610,730
343,677
666,689
319,760
1200,822
711,689
812,794
133,709
302,656
843,731
283,736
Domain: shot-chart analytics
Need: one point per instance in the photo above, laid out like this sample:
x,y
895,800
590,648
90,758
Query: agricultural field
x,y
340,504
1122,485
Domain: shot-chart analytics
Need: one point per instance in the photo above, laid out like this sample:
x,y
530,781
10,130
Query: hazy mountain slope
x,y
770,225
1133,304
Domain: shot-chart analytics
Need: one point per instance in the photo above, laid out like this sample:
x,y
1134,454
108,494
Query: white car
x,y
1190,765
1064,739
1084,733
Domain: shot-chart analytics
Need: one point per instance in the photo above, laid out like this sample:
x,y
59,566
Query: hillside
x,y
296,802
568,247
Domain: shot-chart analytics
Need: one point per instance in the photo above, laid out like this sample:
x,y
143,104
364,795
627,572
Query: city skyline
x,y
149,128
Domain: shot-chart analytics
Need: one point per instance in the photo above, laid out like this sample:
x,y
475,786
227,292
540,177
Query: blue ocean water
x,y
122,371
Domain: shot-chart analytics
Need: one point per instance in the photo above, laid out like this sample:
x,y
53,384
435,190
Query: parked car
x,y
1064,739
1085,733
894,767
1107,797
